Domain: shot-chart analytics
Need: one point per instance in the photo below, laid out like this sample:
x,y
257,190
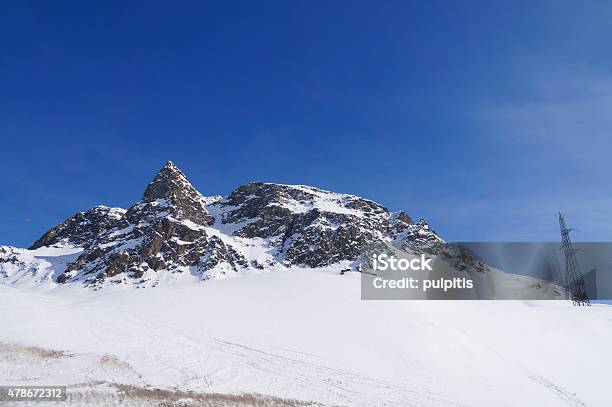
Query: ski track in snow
x,y
562,393
297,369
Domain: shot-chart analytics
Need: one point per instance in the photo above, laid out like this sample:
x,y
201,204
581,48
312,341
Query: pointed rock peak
x,y
170,166
171,193
423,225
167,182
170,170
403,216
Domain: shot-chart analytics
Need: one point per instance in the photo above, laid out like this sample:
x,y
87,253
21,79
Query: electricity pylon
x,y
575,281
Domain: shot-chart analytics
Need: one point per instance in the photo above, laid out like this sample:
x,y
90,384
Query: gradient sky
x,y
482,117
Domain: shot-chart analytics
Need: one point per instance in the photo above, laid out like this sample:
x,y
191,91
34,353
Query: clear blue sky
x,y
482,117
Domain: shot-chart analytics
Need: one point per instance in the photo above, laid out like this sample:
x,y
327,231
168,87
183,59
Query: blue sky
x,y
482,117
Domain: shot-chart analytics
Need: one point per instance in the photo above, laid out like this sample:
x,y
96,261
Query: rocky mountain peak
x,y
171,193
403,216
163,232
172,232
168,181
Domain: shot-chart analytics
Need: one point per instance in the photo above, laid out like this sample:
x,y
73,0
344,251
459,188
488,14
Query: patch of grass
x,y
15,349
180,398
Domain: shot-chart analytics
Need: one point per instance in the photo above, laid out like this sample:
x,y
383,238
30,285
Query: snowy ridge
x,y
319,199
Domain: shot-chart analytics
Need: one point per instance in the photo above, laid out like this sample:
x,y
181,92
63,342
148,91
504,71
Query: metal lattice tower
x,y
575,281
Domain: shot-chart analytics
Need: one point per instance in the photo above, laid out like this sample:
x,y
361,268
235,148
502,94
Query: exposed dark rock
x,y
217,253
81,229
170,191
309,226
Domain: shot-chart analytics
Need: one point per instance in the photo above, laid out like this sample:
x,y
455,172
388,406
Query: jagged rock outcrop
x,y
173,229
313,227
170,193
221,256
81,229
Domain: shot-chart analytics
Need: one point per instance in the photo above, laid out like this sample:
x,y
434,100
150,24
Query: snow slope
x,y
306,335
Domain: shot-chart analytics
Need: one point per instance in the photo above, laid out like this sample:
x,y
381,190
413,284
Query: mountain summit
x,y
167,182
170,190
175,231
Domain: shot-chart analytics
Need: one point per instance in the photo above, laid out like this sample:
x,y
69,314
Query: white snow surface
x,y
35,268
306,335
324,201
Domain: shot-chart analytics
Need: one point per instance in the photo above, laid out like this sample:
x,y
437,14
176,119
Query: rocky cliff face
x,y
82,228
306,225
173,229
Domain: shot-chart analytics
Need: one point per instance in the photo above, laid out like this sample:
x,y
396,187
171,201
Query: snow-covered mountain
x,y
299,338
175,231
